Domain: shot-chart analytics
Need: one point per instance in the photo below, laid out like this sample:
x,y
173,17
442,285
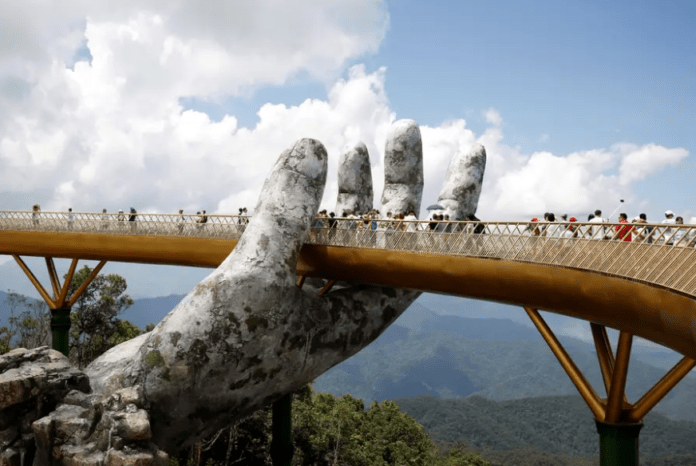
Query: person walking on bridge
x,y
181,220
667,232
623,232
598,231
36,211
105,220
132,218
71,218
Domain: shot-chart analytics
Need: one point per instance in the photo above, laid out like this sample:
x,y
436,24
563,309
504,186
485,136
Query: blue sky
x,y
564,76
171,105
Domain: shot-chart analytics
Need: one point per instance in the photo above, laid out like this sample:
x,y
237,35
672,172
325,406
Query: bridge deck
x,y
646,286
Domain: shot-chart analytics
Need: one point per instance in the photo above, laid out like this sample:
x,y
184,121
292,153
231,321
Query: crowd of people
x,y
637,229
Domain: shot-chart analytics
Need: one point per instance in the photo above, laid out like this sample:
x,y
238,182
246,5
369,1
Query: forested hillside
x,y
453,357
524,432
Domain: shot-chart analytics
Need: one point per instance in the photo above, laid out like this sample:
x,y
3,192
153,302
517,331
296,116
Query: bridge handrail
x,y
656,253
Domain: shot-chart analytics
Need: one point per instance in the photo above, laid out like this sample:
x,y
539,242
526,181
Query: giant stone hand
x,y
247,335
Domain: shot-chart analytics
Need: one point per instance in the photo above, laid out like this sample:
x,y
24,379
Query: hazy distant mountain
x,y
150,310
498,359
450,356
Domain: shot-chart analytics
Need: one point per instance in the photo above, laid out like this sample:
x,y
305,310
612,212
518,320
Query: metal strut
x,y
59,303
618,422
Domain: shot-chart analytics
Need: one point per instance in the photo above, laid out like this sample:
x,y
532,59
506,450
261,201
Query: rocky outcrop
x,y
32,383
48,417
98,430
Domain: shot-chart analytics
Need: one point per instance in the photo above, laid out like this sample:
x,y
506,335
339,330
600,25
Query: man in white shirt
x,y
598,231
669,220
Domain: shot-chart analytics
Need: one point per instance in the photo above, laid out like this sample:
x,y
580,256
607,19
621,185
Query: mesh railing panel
x,y
656,253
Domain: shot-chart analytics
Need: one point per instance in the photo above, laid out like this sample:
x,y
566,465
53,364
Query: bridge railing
x,y
655,253
206,226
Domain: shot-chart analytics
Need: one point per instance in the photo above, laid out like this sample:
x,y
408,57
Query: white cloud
x,y
493,117
113,134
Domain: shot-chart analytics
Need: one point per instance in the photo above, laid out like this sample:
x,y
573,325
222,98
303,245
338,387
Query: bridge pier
x,y
618,443
282,449
618,421
59,304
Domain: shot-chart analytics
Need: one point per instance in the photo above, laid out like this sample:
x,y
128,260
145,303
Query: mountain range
x,y
457,356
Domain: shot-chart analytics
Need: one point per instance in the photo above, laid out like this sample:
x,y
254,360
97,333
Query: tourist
x,y
204,219
35,212
105,219
412,224
181,221
597,232
71,218
623,232
667,232
570,231
679,233
132,218
551,227
647,230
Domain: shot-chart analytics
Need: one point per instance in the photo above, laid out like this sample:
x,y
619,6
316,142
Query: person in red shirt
x,y
624,231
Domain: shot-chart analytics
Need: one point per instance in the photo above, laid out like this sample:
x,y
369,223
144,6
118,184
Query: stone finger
x,y
288,202
462,188
403,169
355,192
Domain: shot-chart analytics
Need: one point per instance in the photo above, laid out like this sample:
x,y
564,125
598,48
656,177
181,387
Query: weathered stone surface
x,y
403,169
355,193
88,432
32,383
27,374
243,338
462,188
120,458
10,457
134,426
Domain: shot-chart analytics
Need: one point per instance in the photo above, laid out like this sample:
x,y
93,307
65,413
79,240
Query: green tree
x,y
28,324
95,327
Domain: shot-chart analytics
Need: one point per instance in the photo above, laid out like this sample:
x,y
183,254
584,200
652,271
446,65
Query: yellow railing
x,y
658,254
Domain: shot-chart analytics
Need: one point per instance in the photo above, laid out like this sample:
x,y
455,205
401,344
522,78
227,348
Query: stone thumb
x,y
289,200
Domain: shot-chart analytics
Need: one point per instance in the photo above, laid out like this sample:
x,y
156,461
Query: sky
x,y
163,105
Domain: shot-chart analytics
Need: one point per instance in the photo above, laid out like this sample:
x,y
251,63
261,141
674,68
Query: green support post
x,y
60,329
282,449
618,443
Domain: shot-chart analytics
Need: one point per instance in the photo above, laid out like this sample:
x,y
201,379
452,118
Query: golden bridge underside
x,y
654,312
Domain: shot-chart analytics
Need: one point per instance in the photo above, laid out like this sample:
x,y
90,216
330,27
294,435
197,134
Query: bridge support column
x,y
282,449
618,443
59,304
618,421
60,329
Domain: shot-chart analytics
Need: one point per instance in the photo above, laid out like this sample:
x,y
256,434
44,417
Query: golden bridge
x,y
640,282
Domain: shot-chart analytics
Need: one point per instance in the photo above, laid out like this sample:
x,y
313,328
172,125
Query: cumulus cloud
x,y
112,133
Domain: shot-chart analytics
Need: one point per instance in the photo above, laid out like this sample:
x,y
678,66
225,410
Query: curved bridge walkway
x,y
637,278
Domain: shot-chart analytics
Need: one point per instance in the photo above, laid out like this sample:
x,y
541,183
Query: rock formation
x,y
246,335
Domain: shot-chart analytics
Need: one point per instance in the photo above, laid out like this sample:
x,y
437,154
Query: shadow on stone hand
x,y
247,335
